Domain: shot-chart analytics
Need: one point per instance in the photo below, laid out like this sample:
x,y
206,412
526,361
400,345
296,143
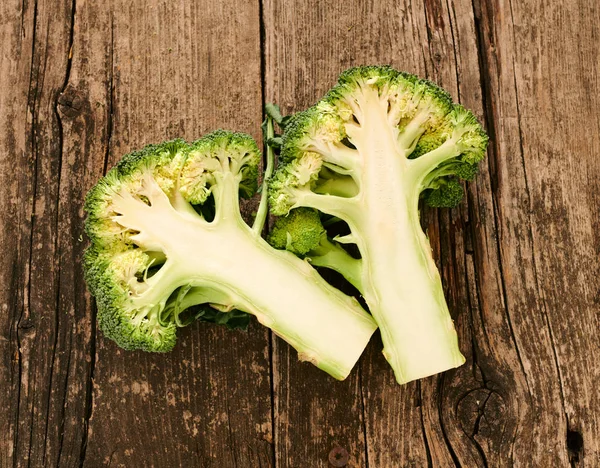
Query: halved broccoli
x,y
167,234
376,143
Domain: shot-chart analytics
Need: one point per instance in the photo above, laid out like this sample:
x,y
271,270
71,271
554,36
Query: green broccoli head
x,y
288,183
314,128
114,278
128,267
217,153
441,186
299,232
382,103
445,193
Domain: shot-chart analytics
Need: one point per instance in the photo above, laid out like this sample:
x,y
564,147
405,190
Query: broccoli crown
x,y
139,295
421,114
298,174
299,232
217,153
447,194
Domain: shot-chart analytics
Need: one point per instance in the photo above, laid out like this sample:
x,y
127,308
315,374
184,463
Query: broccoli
x,y
167,234
379,141
302,233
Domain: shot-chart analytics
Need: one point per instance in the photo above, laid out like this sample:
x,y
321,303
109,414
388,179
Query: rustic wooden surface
x,y
83,82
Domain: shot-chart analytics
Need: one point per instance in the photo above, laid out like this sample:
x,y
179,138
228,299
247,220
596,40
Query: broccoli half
x,y
167,234
366,153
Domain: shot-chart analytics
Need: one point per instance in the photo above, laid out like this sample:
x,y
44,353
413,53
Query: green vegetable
x,y
375,144
167,235
302,233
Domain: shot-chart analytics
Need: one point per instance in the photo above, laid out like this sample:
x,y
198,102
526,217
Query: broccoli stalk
x,y
378,142
160,247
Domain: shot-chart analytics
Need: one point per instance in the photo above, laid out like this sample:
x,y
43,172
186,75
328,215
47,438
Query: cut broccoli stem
x,y
400,280
419,168
331,255
338,155
340,207
341,187
282,291
188,296
263,207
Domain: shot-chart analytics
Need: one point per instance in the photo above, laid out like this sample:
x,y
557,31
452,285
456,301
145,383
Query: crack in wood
x,y
31,100
423,428
451,8
363,413
64,401
89,392
58,311
440,408
263,92
230,434
493,152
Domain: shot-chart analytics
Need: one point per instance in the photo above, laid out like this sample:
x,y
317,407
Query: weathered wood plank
x,y
307,45
180,70
518,258
16,188
496,408
45,313
542,62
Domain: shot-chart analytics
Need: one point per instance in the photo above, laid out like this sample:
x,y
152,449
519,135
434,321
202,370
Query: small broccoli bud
x,y
376,75
114,281
447,194
471,138
290,179
299,232
214,154
320,124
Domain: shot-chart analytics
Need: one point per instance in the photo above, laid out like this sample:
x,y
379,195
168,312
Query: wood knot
x,y
481,411
70,103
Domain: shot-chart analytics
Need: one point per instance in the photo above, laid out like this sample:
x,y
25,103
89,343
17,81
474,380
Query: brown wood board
x,y
82,83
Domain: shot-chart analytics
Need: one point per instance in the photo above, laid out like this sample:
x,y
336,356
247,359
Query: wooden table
x,y
83,82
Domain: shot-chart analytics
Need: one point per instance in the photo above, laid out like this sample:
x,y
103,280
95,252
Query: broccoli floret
x,y
299,232
446,194
366,153
302,233
169,245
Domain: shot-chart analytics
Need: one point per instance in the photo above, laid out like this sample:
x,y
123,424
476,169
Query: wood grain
x,y
82,83
207,403
495,410
543,101
93,72
46,320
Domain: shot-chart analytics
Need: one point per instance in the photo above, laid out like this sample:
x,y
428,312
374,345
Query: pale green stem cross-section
x,y
284,292
400,281
263,208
